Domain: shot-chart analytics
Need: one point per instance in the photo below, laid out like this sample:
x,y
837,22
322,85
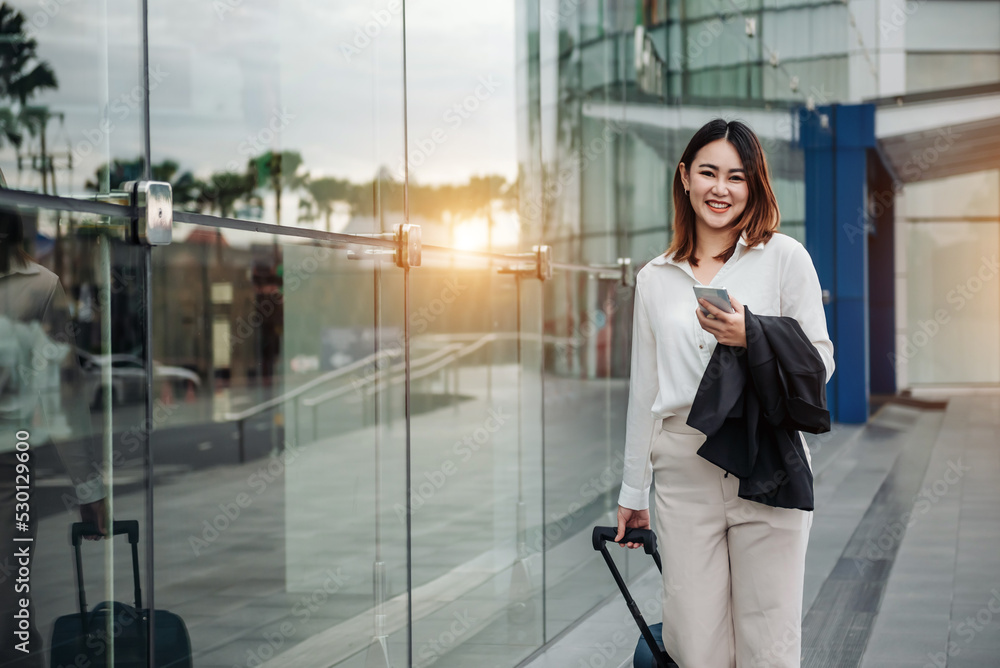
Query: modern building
x,y
361,380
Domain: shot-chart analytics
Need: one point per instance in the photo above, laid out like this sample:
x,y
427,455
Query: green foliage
x,y
223,190
121,171
10,128
327,190
459,200
271,170
22,75
277,171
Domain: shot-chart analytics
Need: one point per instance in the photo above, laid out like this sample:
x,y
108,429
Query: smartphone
x,y
718,297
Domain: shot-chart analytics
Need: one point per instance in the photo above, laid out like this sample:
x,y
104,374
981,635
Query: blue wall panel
x,y
835,140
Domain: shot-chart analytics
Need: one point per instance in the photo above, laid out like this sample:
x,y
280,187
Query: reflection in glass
x,y
284,113
61,382
289,464
476,458
71,96
950,310
584,367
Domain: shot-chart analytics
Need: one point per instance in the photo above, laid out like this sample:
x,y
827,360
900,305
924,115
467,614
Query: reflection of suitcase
x,y
82,639
649,653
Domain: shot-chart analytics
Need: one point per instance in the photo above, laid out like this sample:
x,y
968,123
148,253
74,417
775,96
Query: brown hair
x,y
11,236
12,251
758,221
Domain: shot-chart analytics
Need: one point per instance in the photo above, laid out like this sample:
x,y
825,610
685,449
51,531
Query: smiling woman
x,y
722,189
741,560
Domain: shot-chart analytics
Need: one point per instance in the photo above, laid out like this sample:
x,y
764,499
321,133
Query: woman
x,y
733,569
40,392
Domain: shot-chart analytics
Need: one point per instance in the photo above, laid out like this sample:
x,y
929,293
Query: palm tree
x,y
279,171
21,73
120,171
224,189
186,189
466,199
327,190
10,128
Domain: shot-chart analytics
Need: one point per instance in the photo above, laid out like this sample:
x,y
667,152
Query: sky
x,y
234,78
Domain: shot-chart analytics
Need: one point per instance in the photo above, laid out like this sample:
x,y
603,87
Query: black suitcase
x,y
649,652
81,639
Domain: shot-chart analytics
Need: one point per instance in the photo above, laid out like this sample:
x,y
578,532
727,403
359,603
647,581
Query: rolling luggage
x,y
649,652
82,639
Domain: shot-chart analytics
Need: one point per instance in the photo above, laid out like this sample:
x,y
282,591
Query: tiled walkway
x,y
903,566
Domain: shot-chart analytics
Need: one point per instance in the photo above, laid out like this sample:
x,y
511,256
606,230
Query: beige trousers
x,y
733,569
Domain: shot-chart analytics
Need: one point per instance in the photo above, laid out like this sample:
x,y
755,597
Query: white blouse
x,y
670,350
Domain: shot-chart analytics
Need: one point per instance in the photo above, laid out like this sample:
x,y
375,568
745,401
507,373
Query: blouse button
x,y
700,345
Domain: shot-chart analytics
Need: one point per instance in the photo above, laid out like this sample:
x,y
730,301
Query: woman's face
x,y
717,184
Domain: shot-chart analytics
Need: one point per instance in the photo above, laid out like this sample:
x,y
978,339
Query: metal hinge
x,y
536,264
154,202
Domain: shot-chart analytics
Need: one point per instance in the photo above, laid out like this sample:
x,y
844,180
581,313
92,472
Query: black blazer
x,y
753,401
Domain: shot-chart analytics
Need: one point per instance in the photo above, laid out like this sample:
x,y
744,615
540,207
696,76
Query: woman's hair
x,y
12,241
11,236
759,219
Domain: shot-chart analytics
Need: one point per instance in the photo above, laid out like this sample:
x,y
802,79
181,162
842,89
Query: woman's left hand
x,y
728,328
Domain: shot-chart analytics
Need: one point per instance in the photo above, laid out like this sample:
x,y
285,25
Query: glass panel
x,y
72,97
954,26
472,186
280,479
587,17
645,247
600,197
538,86
72,406
951,303
598,64
476,458
587,323
287,113
791,198
936,71
948,264
651,178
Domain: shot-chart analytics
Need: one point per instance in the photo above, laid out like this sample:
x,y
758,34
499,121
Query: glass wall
x,y
288,468
287,113
967,54
476,462
72,96
588,324
949,271
72,407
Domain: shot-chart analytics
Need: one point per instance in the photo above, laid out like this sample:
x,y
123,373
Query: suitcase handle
x,y
80,529
607,534
603,535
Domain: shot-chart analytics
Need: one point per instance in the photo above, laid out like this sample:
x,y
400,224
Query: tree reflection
x,y
451,207
22,76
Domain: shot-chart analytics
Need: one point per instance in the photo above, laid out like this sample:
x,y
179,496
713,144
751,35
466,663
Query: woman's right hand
x,y
631,519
